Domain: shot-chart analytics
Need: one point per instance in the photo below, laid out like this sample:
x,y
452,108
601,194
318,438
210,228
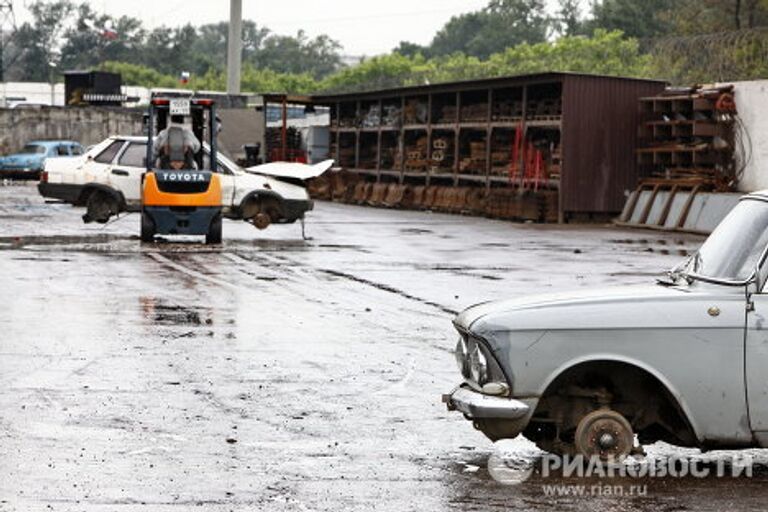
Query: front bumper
x,y
479,406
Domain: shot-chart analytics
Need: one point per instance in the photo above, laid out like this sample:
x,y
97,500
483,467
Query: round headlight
x,y
462,357
478,366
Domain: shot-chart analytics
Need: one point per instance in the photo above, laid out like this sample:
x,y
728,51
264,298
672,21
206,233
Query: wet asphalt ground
x,y
274,373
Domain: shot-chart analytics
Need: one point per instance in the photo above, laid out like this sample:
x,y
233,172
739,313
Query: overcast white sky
x,y
364,27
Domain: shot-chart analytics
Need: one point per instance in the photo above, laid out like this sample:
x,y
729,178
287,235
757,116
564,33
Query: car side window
x,y
106,156
134,155
76,150
62,150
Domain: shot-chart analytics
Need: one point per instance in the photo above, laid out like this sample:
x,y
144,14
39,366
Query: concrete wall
x,y
238,127
85,125
752,104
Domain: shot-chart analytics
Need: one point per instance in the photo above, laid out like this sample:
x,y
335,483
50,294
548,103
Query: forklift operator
x,y
176,146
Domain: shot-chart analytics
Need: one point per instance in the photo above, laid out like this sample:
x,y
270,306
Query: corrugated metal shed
x,y
600,120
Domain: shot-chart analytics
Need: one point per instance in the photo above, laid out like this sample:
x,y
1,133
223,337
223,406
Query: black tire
x,y
147,228
214,231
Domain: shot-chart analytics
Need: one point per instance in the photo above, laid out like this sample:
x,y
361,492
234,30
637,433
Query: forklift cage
x,y
159,110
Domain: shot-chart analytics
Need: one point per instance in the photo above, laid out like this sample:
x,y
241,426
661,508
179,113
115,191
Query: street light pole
x,y
234,46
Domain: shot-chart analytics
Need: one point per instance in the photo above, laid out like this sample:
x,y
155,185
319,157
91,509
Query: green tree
x,y
36,44
605,53
319,56
210,47
411,49
95,38
642,19
569,19
375,73
501,24
691,17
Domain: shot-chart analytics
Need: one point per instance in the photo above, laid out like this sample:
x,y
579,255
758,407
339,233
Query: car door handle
x,y
120,172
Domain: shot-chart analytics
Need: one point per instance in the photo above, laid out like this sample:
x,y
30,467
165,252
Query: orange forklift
x,y
181,190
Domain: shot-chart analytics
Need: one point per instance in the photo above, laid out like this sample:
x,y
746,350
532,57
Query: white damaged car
x,y
107,181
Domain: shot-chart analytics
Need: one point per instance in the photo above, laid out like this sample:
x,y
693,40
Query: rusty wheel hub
x,y
605,434
262,220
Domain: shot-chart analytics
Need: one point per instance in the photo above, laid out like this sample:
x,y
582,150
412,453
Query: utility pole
x,y
234,46
7,22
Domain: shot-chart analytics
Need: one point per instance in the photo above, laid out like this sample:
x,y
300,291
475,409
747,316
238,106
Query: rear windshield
x,y
32,149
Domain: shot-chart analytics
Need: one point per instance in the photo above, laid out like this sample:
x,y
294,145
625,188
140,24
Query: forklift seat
x,y
175,154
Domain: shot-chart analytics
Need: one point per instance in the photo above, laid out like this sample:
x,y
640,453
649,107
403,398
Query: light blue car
x,y
28,162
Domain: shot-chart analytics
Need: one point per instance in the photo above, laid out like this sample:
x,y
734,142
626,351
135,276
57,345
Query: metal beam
x,y
234,46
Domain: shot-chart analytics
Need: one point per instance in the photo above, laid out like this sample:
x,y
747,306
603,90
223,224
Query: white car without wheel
x,y
107,181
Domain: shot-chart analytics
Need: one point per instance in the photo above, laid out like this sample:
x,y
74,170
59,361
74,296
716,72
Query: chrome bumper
x,y
478,405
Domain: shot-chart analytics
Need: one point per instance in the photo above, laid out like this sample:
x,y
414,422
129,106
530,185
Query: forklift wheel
x,y
147,228
214,231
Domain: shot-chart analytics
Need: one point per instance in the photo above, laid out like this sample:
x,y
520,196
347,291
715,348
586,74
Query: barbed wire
x,y
719,57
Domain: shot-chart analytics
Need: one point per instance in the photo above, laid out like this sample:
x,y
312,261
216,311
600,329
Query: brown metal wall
x,y
600,120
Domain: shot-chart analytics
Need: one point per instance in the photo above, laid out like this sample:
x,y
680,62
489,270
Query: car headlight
x,y
479,368
478,365
462,358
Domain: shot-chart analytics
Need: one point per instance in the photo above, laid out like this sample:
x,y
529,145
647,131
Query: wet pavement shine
x,y
276,373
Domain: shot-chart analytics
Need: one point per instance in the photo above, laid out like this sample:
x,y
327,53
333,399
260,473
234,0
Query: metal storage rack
x,y
688,138
551,133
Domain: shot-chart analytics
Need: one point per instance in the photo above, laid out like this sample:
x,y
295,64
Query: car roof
x,y
52,142
130,138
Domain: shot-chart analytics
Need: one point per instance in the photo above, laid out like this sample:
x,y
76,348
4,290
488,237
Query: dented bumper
x,y
477,405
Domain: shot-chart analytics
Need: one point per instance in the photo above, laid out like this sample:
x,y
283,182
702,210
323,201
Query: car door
x,y
756,354
125,173
226,178
755,363
97,167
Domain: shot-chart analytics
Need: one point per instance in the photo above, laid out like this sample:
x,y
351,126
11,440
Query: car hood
x,y
291,170
610,308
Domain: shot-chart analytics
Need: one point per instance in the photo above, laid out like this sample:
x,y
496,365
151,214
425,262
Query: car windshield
x,y
732,250
31,149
